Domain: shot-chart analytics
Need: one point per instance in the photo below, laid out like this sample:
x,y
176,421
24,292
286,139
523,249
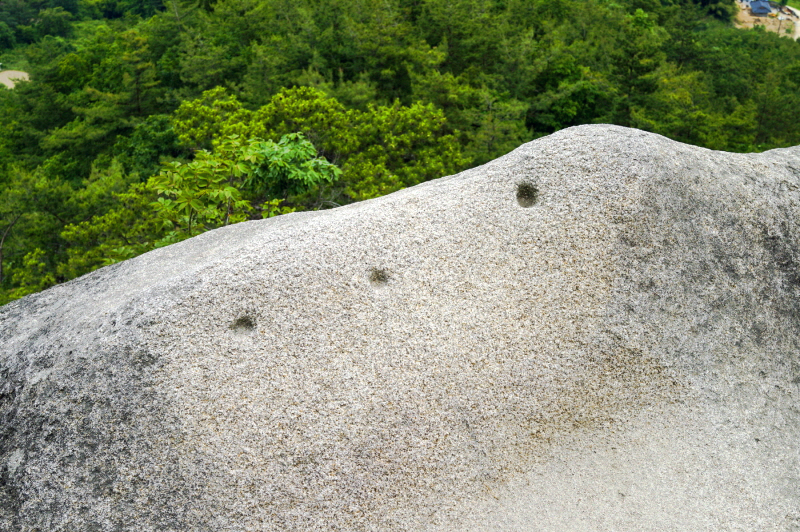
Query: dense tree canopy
x,y
146,121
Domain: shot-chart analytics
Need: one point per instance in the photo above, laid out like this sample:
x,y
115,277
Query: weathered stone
x,y
598,331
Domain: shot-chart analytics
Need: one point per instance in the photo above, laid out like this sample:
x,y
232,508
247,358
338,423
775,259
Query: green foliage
x,y
224,187
230,185
198,122
124,231
679,110
34,210
635,64
218,111
7,37
200,195
53,21
323,120
151,141
399,147
380,150
32,276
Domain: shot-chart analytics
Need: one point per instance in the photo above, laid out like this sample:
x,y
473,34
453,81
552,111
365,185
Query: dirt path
x,y
9,77
796,13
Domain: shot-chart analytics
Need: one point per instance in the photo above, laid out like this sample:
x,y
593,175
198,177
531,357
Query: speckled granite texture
x,y
621,353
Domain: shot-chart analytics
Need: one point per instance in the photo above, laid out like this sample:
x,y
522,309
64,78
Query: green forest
x,y
146,121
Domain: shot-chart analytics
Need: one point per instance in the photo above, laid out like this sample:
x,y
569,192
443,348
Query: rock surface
x,y
614,349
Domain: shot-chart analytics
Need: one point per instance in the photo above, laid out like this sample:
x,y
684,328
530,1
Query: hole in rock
x,y
378,276
243,324
527,194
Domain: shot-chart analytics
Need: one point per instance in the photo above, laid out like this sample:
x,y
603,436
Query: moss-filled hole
x,y
378,276
243,324
527,194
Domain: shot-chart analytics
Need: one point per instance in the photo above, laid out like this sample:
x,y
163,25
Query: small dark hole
x,y
379,276
243,324
527,194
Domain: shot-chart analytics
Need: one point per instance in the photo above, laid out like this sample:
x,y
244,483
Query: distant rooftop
x,y
760,7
